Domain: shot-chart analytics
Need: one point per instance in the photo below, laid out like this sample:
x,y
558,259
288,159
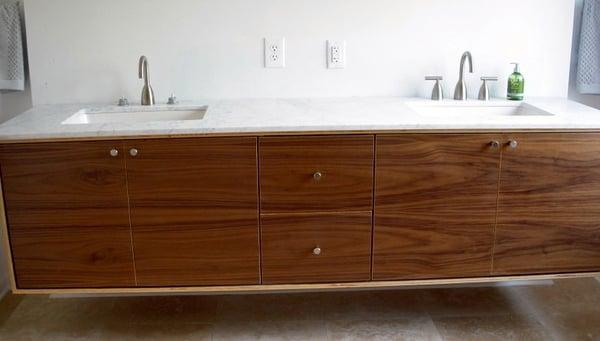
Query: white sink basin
x,y
137,115
478,109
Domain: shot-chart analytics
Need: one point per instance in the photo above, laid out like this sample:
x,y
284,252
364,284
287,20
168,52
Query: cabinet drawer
x,y
316,174
316,248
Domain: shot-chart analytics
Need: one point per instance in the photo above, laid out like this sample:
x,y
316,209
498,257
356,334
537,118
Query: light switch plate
x,y
275,53
336,54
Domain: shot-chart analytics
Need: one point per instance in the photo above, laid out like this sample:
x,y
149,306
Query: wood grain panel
x,y
435,205
67,215
194,211
288,242
549,205
287,166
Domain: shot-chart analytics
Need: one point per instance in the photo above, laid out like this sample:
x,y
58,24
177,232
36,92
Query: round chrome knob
x,y
317,251
495,144
133,152
114,152
513,144
318,176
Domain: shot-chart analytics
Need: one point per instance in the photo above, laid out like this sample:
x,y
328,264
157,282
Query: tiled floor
x,y
567,310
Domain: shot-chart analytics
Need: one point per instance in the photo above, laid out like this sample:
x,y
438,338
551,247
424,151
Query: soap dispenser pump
x,y
516,84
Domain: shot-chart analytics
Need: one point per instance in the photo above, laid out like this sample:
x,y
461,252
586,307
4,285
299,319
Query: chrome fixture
x,y
318,176
438,92
495,144
317,251
123,101
147,92
133,152
460,94
114,152
514,144
172,100
484,92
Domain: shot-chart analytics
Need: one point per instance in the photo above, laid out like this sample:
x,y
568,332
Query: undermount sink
x,y
462,109
137,115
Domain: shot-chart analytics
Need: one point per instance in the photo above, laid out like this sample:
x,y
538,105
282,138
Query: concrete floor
x,y
566,310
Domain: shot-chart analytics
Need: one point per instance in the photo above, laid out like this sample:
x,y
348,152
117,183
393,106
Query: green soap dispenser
x,y
516,85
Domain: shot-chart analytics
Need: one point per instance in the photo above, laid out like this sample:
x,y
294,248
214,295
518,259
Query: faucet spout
x,y
143,69
147,92
466,57
460,94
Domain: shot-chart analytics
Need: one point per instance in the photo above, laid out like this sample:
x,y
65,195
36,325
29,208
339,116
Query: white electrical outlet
x,y
336,54
275,53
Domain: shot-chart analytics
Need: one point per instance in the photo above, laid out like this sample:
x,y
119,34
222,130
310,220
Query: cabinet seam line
x,y
497,210
259,214
135,279
373,206
313,213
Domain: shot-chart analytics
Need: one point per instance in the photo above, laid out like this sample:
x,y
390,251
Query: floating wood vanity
x,y
300,211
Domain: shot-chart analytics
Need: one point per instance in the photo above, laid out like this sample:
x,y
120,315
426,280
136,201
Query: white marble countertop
x,y
273,116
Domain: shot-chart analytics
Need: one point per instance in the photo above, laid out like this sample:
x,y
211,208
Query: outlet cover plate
x,y
336,54
275,53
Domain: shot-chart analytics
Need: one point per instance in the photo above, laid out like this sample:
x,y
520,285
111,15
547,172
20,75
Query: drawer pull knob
x,y
114,152
318,176
513,144
495,144
317,251
133,152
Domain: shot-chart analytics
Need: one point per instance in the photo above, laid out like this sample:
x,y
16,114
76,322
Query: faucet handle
x,y
484,92
172,100
438,92
123,101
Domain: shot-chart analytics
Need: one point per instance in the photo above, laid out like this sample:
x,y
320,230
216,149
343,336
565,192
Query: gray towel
x,y
12,67
588,69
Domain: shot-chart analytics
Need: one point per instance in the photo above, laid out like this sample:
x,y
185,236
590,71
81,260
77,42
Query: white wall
x,y
14,103
87,50
591,100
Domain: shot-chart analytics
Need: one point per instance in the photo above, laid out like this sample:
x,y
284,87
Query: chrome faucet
x,y
438,92
460,94
147,92
484,91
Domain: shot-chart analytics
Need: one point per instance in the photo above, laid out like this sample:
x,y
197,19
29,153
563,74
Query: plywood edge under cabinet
x,y
246,289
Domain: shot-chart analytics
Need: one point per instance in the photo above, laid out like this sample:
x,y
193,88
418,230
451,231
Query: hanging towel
x,y
588,70
12,68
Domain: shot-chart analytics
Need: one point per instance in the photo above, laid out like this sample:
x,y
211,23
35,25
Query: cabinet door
x,y
194,211
316,174
316,248
549,205
67,214
435,206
